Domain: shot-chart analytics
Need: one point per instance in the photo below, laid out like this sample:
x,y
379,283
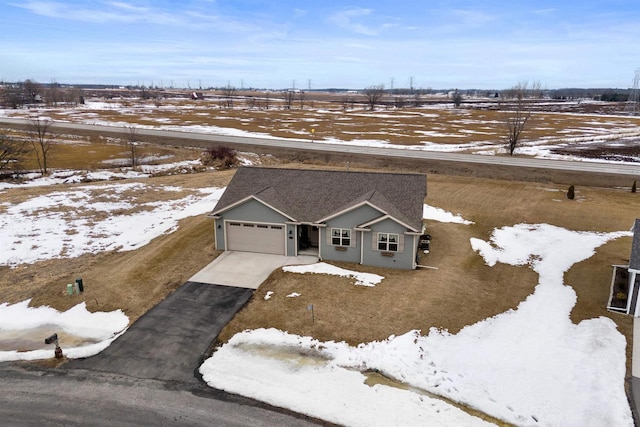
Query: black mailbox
x,y
53,339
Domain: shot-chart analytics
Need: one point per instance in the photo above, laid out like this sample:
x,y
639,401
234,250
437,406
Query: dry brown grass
x,y
330,119
132,281
95,152
463,290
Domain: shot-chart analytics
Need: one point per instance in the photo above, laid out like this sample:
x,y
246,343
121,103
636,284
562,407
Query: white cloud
x,y
113,12
474,18
346,20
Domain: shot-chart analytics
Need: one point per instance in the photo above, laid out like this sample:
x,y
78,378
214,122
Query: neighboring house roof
x,y
634,260
313,195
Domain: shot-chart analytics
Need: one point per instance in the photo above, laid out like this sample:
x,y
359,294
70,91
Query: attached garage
x,y
255,237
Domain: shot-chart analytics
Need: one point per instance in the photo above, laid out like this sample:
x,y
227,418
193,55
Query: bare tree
x,y
12,97
348,102
416,99
516,114
53,96
373,95
12,151
42,139
288,96
457,99
132,146
536,89
301,97
229,92
267,100
74,96
32,90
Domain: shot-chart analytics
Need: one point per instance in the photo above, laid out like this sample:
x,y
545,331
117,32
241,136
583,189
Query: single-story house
x,y
363,217
625,283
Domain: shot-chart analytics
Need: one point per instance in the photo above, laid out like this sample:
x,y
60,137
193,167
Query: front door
x,y
308,238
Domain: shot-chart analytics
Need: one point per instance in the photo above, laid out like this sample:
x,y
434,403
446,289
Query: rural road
x,y
144,378
306,146
58,397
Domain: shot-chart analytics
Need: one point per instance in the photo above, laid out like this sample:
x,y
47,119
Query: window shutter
x,y
374,241
401,243
329,232
352,242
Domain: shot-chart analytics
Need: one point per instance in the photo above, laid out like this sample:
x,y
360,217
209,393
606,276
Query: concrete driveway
x,y
246,269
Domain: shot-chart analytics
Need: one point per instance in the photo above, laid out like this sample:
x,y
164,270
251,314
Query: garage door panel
x,y
252,237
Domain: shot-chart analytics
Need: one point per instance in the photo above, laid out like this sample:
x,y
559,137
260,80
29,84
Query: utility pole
x,y
634,96
391,86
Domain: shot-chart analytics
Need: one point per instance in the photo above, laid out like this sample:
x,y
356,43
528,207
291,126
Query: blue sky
x,y
487,44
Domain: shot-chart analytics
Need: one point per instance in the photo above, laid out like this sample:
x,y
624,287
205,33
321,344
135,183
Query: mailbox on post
x,y
53,339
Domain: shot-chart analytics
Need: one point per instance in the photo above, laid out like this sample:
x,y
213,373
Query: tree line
x,y
31,93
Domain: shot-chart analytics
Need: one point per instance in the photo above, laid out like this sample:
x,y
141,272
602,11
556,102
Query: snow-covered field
x,y
530,366
103,217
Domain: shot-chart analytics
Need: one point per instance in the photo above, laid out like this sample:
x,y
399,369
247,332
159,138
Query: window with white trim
x,y
341,237
388,242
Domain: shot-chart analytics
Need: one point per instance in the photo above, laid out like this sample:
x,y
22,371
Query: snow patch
x,y
101,326
361,279
440,215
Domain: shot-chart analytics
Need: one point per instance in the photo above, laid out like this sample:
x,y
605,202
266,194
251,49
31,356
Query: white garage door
x,y
250,237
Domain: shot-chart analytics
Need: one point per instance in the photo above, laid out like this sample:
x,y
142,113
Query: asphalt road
x,y
200,139
147,377
58,397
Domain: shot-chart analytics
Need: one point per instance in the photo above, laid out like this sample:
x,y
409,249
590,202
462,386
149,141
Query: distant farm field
x,y
556,129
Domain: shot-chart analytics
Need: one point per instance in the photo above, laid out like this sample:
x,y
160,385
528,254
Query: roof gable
x,y
311,195
390,211
384,218
245,200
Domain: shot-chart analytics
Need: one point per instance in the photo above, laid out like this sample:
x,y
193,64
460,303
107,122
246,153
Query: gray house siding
x,y
347,220
249,211
404,259
218,225
292,239
356,216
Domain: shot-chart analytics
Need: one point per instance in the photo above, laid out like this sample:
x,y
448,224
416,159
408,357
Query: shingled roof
x,y
310,195
634,260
